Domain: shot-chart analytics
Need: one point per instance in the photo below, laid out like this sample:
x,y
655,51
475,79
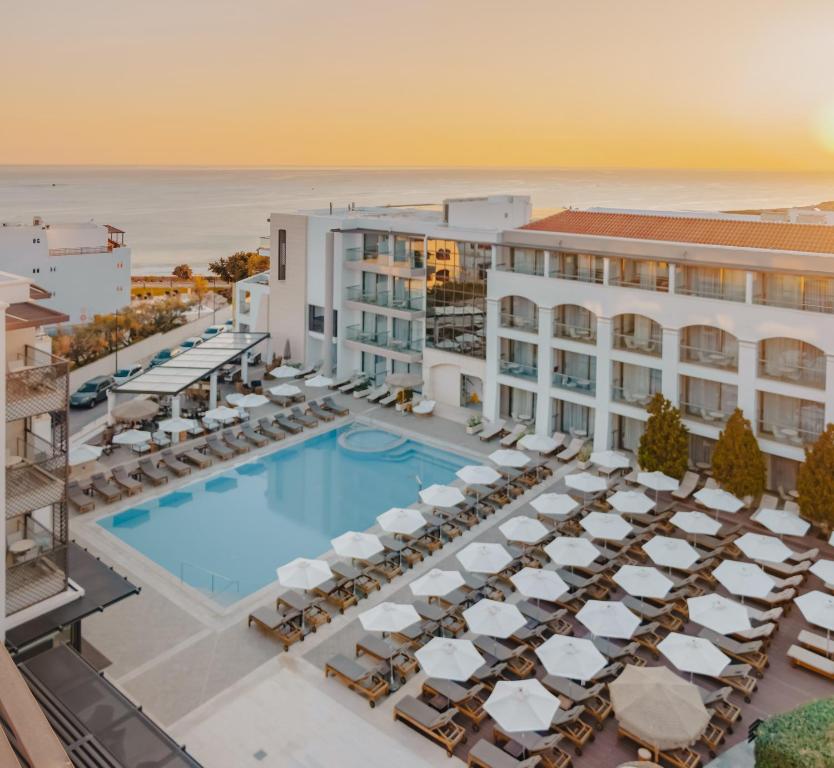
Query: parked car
x,y
212,331
190,343
91,392
123,374
160,357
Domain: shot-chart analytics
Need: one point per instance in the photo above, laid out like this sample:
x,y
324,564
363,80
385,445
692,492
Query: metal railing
x,y
568,381
384,340
520,322
520,370
582,276
704,413
789,434
724,292
791,373
628,396
639,344
801,304
715,358
375,297
358,253
583,333
36,579
36,383
658,284
212,581
82,251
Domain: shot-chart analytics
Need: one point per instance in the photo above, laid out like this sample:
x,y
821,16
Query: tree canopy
x,y
737,460
239,266
664,445
816,481
182,271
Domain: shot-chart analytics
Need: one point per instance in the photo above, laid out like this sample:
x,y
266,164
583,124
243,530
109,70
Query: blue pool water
x,y
244,523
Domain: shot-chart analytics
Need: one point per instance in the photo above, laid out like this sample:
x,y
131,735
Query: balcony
x,y
721,292
642,345
37,578
577,383
784,369
385,299
575,332
367,255
639,399
521,268
519,370
519,322
595,275
37,383
787,433
707,414
711,357
36,480
384,340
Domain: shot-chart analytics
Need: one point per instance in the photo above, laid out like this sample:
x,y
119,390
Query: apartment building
x,y
85,267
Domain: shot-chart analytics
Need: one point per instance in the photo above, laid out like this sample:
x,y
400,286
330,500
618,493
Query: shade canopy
x,y
633,502
401,520
586,482
670,552
132,437
608,618
356,544
441,496
572,551
643,581
304,573
477,474
449,659
824,569
572,657
817,608
137,409
610,460
539,583
759,547
83,454
658,707
554,504
252,400
782,521
318,381
657,481
285,390
404,380
743,579
177,424
719,614
693,654
522,705
509,458
389,617
719,500
221,413
525,529
606,525
481,557
695,522
539,443
437,583
284,372
493,618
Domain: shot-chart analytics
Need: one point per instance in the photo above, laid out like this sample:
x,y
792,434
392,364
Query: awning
x,y
102,587
26,314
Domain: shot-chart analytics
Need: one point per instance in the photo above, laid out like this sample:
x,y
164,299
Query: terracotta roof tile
x,y
806,238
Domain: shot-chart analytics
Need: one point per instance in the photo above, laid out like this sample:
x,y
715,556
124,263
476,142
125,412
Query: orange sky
x,y
638,83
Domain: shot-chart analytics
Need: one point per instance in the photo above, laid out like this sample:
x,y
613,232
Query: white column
x,y
175,406
669,365
748,366
544,405
111,404
748,287
244,367
494,259
491,398
602,407
327,352
673,278
829,389
606,270
213,391
3,306
547,263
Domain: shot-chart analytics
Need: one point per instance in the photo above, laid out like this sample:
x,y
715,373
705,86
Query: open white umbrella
x,y
284,372
586,482
509,458
643,581
285,390
233,398
304,573
571,551
437,583
481,557
610,460
538,443
606,525
693,654
84,453
221,414
554,504
404,380
252,400
539,583
522,705
743,579
318,381
831,539
719,614
782,522
358,545
476,474
631,501
132,437
759,547
526,530
719,500
818,608
608,618
824,569
493,618
657,481
389,617
401,520
441,496
670,552
572,657
695,522
449,659
177,424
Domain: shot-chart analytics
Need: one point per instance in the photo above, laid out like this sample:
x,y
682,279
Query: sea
x,y
191,215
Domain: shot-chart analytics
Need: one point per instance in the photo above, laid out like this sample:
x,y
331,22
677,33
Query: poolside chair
x,y
469,702
817,643
594,698
330,404
682,757
491,430
763,632
423,408
286,628
749,653
719,702
221,450
398,660
377,393
279,400
559,438
687,486
802,657
320,413
193,456
152,472
179,468
437,726
108,490
572,450
302,418
123,479
486,755
234,442
389,399
253,437
508,441
738,677
338,592
342,380
356,383
80,499
568,722
514,658
356,579
269,429
288,425
369,683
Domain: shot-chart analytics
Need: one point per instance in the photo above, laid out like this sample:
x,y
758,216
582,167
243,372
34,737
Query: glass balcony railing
x,y
414,346
579,383
714,358
582,276
410,302
520,322
379,298
631,395
384,340
520,370
358,253
644,283
793,373
791,300
708,414
408,259
722,292
790,434
521,268
574,331
640,344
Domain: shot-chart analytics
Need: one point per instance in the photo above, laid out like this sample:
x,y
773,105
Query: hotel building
x,y
571,322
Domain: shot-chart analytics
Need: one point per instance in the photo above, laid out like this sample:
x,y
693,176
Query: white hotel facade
x,y
571,322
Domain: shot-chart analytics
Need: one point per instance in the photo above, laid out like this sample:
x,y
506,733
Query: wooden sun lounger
x,y
626,654
572,451
330,404
338,383
683,757
378,393
492,430
152,472
718,701
440,727
122,478
397,659
802,657
783,599
193,456
179,468
280,400
594,698
355,579
353,384
319,412
738,677
509,440
514,658
763,632
253,437
270,430
817,643
554,620
288,425
234,442
664,616
785,570
302,418
469,702
103,487
369,683
286,627
687,486
747,653
487,755
569,723
80,499
221,450
389,399
339,593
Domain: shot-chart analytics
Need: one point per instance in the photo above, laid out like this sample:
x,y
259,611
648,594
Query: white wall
x,y
442,372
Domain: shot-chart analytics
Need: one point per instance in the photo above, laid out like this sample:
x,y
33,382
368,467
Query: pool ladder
x,y
214,576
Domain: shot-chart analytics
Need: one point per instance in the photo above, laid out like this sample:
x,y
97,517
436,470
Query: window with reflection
x,y
576,266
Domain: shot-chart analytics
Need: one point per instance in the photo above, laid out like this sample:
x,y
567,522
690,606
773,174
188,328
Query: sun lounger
x,y
302,418
389,399
627,654
234,442
270,430
440,727
801,557
280,400
594,698
314,614
468,701
287,628
492,429
122,478
664,616
310,370
194,457
423,408
337,592
568,722
179,468
537,616
108,490
288,425
817,643
687,486
221,450
783,599
514,658
342,380
749,652
802,657
356,383
785,570
330,404
509,440
572,451
152,472
80,499
320,413
738,677
377,393
486,755
247,432
369,683
718,701
355,579
683,757
397,659
763,632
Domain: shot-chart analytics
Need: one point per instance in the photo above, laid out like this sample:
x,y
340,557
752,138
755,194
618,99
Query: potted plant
x,y
583,458
474,425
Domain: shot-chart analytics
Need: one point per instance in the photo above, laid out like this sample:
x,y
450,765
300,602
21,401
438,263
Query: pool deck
x,y
236,699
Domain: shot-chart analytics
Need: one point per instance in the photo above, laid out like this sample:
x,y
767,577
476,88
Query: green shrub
x,y
802,738
737,461
816,481
664,445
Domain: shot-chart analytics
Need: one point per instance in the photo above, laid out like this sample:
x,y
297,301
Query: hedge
x,y
802,738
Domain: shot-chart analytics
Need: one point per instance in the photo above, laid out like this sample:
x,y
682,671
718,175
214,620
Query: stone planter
x,y
475,429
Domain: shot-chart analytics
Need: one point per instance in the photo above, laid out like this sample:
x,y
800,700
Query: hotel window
x,y
645,274
576,266
813,294
282,254
315,319
790,420
711,282
526,261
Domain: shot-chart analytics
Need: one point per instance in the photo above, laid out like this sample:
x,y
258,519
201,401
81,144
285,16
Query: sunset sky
x,y
637,83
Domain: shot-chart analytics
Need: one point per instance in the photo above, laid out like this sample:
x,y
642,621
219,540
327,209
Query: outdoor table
x,y
519,743
21,548
314,614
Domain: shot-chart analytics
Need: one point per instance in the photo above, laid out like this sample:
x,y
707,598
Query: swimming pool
x,y
226,535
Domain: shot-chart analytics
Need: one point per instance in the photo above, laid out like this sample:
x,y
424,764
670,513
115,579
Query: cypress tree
x,y
816,481
664,445
737,461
